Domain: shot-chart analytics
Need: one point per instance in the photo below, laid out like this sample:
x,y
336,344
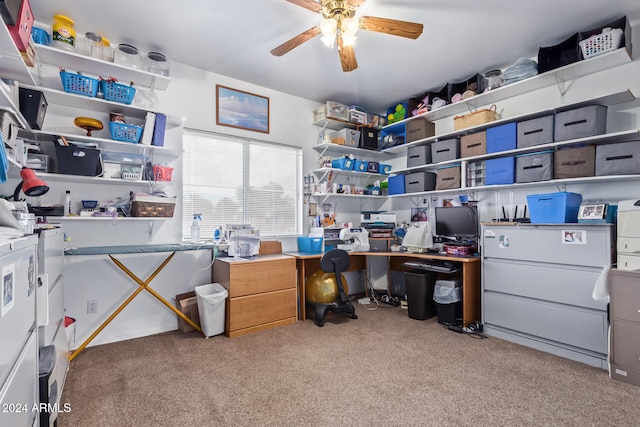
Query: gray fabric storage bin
x,y
580,122
419,129
418,156
618,159
419,181
447,149
534,167
535,132
574,162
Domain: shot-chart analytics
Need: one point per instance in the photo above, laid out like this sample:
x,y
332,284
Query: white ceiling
x,y
235,37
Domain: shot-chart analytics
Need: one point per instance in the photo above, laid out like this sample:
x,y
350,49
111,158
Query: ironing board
x,y
142,284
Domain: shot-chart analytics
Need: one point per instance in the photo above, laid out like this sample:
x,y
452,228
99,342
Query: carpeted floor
x,y
382,369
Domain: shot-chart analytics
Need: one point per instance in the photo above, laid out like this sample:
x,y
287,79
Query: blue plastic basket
x,y
82,85
124,132
40,36
117,92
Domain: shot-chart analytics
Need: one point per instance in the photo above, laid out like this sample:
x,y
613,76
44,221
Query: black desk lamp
x,y
30,184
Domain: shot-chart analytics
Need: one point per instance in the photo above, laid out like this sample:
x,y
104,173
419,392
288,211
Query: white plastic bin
x,y
211,301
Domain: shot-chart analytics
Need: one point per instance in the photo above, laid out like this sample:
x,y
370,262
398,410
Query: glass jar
x,y
93,45
107,51
493,79
127,55
156,63
63,34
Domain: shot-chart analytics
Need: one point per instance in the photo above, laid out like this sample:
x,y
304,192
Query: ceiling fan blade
x,y
347,56
356,3
312,5
296,41
394,27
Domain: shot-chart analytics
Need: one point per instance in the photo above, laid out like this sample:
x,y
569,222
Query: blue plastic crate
x,y
554,208
502,138
310,244
360,165
78,84
40,36
124,132
384,169
117,92
344,163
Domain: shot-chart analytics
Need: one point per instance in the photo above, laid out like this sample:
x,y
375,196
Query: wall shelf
x,y
48,55
358,152
106,218
568,72
94,180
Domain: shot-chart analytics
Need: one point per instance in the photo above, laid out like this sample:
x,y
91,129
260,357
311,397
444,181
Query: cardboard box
x,y
187,303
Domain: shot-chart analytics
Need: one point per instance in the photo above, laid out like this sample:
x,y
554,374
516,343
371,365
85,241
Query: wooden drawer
x,y
626,343
252,277
249,311
580,328
549,282
624,288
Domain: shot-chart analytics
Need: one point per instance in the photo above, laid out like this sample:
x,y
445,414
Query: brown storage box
x,y
448,178
419,129
152,209
574,162
474,144
187,304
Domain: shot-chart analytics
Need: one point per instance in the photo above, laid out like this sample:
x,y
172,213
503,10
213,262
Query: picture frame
x,y
242,110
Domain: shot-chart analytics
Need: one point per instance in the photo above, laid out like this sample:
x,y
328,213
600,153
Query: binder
x,y
158,130
149,126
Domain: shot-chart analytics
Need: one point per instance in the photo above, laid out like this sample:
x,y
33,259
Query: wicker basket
x,y
152,209
475,118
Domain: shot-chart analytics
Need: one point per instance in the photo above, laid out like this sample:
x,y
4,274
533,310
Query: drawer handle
x,y
533,131
577,122
477,144
623,157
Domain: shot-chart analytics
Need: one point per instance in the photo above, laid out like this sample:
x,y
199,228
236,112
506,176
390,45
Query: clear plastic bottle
x,y
195,229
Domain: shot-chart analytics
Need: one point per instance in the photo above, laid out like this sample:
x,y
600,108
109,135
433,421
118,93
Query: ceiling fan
x,y
339,24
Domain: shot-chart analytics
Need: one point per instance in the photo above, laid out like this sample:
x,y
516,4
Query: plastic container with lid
x,y
63,34
107,50
93,45
127,55
156,63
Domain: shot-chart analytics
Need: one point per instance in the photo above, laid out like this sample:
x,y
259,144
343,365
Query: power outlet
x,y
92,306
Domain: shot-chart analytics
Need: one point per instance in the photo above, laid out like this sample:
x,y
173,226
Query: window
x,y
232,180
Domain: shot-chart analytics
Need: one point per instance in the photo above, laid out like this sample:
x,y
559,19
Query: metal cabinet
x,y
19,350
537,286
624,289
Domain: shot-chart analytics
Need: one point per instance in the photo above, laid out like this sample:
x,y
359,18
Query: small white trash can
x,y
211,302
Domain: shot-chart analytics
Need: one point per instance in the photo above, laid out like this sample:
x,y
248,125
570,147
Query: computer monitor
x,y
459,222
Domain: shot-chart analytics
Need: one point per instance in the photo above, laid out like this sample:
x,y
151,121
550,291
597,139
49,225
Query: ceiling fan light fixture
x,y
329,29
348,39
349,26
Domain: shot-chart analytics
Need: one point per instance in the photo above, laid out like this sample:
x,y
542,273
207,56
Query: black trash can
x,y
419,285
448,298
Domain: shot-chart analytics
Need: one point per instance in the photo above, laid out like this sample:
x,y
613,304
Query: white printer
x,y
629,235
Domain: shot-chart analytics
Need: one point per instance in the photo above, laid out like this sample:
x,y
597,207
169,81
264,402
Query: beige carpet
x,y
383,369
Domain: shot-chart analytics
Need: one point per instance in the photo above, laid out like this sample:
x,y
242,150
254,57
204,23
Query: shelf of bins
x,y
326,171
552,182
112,144
608,138
357,152
48,176
66,99
606,100
335,124
48,55
348,196
557,76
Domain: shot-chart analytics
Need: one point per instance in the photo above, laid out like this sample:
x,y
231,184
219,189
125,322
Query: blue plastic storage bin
x,y
554,208
396,185
344,163
310,244
502,138
361,166
500,171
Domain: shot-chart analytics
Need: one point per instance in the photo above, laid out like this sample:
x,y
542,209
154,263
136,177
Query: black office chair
x,y
335,261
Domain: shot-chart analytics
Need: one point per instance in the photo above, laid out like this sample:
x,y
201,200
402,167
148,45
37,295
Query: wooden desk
x,y
262,292
469,275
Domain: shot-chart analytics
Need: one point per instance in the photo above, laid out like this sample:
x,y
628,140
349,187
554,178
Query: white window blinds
x,y
239,181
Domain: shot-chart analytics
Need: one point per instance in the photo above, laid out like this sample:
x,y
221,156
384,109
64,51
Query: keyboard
x,y
432,266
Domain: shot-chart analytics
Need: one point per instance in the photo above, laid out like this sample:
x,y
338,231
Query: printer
x,y
629,235
379,224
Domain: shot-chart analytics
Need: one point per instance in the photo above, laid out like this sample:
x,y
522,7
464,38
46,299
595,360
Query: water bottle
x,y
67,203
195,228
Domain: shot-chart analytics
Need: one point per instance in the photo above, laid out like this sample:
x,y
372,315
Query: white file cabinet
x,y
537,286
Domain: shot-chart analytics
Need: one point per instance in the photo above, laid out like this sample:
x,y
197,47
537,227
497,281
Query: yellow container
x,y
63,35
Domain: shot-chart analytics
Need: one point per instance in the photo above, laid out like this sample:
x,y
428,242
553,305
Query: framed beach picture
x,y
242,110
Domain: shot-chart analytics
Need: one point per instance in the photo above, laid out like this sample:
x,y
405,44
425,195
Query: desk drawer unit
x,y
537,288
262,292
624,288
